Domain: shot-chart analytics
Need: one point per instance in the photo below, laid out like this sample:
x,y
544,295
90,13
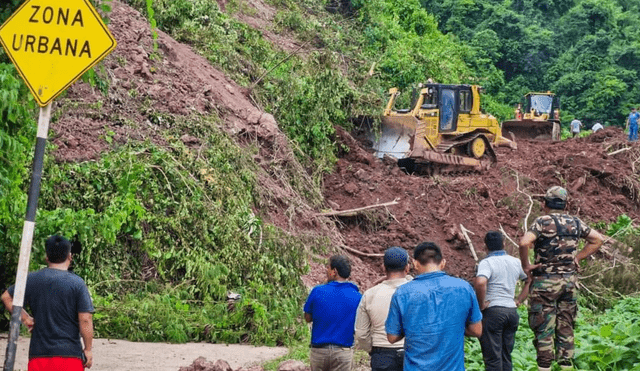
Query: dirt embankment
x,y
601,187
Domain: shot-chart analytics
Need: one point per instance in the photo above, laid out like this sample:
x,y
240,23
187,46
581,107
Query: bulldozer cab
x,y
542,105
539,119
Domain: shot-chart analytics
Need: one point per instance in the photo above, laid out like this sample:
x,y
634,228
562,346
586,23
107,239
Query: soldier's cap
x,y
556,192
396,258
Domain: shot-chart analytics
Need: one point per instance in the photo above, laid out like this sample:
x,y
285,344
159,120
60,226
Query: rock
x,y
293,365
201,364
189,140
334,205
251,368
221,365
351,188
362,175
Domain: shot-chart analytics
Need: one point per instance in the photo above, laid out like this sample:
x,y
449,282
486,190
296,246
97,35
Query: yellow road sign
x,y
53,42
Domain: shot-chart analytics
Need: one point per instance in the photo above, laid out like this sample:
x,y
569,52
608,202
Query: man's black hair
x,y
341,264
427,252
494,241
57,248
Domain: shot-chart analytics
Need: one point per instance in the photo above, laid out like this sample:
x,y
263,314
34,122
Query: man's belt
x,y
383,350
328,345
554,275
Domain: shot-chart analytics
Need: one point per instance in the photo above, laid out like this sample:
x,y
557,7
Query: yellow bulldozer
x,y
539,120
443,131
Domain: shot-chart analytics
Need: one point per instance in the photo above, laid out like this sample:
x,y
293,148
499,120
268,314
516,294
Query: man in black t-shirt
x,y
62,313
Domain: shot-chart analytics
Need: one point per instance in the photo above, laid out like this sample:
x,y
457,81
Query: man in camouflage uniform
x,y
552,304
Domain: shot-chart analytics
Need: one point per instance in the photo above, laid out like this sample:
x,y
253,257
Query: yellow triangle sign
x,y
53,42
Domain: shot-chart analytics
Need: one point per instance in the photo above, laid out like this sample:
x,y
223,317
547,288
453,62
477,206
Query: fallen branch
x,y
352,212
507,236
530,202
358,252
277,64
466,237
618,151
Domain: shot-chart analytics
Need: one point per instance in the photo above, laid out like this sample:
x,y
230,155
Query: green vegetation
x,y
586,51
169,230
606,341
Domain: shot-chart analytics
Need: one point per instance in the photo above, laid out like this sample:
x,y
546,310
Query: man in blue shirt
x,y
433,313
332,310
632,121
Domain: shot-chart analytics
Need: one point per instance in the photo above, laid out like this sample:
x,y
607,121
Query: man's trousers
x,y
331,359
499,326
552,311
387,359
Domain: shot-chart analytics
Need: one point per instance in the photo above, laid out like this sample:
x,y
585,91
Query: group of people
x,y
419,323
631,125
404,323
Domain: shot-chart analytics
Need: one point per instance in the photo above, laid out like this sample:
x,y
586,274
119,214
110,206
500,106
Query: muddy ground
x,y
601,187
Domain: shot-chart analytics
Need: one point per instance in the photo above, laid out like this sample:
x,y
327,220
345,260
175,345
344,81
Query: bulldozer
x,y
539,120
443,131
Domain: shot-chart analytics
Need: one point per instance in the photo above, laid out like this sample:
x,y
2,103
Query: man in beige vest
x,y
371,335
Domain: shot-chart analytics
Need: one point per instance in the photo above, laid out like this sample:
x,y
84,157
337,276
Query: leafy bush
x,y
172,231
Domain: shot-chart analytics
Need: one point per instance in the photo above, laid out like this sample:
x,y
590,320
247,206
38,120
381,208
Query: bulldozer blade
x,y
532,129
395,136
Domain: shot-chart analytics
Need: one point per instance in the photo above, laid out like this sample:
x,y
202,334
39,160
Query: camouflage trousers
x,y
552,311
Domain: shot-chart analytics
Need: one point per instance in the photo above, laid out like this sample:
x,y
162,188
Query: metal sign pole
x,y
27,237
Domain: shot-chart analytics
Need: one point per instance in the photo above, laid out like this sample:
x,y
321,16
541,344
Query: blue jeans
x,y
387,359
499,326
633,132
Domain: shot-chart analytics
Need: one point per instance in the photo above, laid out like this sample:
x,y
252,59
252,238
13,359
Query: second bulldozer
x,y
444,131
539,120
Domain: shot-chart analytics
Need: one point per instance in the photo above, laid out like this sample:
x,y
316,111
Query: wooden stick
x,y
358,252
530,202
277,64
507,236
466,236
618,151
352,212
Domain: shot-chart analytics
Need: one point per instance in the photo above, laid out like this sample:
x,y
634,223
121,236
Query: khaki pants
x,y
331,359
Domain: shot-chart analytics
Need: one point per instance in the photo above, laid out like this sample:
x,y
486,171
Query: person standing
x,y
331,308
575,127
632,123
433,313
552,302
62,313
495,287
373,311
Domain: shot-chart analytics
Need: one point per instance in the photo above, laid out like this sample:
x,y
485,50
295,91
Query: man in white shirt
x,y
371,335
575,127
596,127
495,287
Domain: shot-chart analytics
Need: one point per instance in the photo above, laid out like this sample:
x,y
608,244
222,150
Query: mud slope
x,y
145,93
601,188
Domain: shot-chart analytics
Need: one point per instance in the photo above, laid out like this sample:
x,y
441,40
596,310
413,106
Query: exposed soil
x,y
601,187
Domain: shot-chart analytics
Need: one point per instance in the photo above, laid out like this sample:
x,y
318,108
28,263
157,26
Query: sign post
x,y
52,43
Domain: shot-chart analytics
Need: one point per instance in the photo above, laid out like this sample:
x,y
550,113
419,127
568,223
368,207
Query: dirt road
x,y
120,355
